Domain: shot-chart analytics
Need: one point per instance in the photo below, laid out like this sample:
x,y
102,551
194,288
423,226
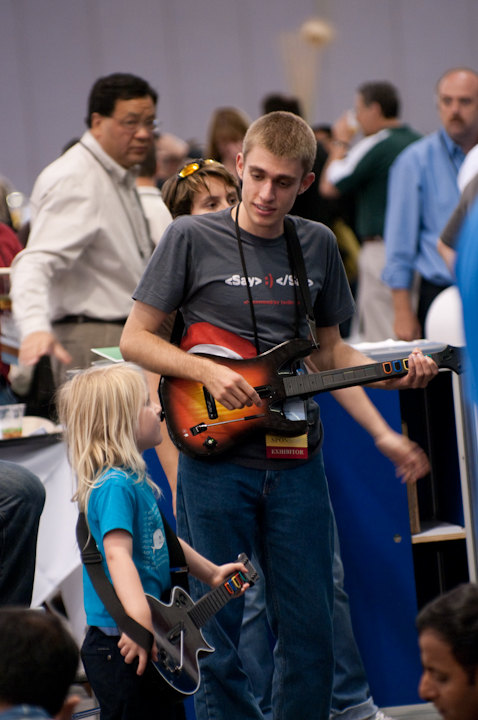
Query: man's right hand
x,y
407,326
228,387
37,344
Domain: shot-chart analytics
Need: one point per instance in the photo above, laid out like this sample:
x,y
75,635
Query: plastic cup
x,y
11,420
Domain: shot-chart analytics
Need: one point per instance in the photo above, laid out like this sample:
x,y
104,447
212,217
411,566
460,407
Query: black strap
x,y
92,560
249,294
299,267
178,329
177,560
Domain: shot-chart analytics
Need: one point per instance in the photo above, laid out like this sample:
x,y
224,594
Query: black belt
x,y
80,319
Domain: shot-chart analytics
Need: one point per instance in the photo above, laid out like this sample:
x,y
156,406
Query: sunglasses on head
x,y
193,167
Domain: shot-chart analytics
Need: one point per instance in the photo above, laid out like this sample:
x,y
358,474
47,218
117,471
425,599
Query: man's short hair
x,y
119,86
454,617
284,135
287,103
383,93
179,193
38,659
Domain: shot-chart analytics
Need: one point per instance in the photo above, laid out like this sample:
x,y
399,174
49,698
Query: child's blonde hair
x,y
99,409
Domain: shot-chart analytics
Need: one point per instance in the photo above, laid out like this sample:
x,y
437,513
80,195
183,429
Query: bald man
x,y
422,194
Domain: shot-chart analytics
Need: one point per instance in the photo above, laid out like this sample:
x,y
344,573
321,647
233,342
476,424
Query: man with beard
x,y
422,194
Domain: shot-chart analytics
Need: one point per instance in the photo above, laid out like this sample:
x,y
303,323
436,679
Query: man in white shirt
x,y
89,243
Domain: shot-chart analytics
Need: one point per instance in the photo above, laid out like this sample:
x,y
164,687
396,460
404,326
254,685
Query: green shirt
x,y
369,177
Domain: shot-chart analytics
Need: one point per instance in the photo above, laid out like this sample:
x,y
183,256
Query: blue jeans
x,y
285,517
351,694
22,497
255,646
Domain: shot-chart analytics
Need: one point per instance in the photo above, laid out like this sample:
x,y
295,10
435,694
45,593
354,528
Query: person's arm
x,y
334,353
342,134
410,461
401,235
118,546
448,241
405,324
141,344
448,254
208,572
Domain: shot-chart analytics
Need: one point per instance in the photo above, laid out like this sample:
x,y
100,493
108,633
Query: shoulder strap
x,y
299,266
178,566
91,558
178,329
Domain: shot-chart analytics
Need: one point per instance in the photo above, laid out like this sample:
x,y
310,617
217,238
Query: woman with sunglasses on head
x,y
202,186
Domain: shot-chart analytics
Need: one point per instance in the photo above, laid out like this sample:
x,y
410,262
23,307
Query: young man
x,y
38,663
448,639
244,500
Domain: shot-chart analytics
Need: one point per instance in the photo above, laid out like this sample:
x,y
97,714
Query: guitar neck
x,y
308,385
209,605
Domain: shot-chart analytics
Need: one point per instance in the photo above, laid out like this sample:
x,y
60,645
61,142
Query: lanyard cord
x,y
130,221
249,294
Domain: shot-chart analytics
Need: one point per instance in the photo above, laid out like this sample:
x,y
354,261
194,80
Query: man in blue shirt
x,y
422,194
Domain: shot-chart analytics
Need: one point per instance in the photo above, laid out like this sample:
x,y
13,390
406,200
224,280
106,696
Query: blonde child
x,y
110,421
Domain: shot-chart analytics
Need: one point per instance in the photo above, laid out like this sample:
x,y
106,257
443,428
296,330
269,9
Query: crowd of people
x,y
138,241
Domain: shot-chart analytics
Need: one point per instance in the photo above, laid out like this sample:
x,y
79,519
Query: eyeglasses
x,y
193,167
132,126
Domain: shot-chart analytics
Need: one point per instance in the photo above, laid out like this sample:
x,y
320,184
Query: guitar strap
x,y
178,329
92,560
299,266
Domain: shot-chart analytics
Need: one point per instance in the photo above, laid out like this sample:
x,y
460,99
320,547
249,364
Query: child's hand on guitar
x,y
228,387
129,650
223,572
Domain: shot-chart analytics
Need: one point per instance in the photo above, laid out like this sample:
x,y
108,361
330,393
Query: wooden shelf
x,y
438,532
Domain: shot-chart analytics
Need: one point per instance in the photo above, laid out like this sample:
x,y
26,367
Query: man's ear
x,y
240,165
306,182
96,119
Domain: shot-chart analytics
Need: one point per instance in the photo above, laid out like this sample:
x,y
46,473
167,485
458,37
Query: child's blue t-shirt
x,y
120,502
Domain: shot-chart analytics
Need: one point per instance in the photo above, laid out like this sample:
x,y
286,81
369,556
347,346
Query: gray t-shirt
x,y
197,267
